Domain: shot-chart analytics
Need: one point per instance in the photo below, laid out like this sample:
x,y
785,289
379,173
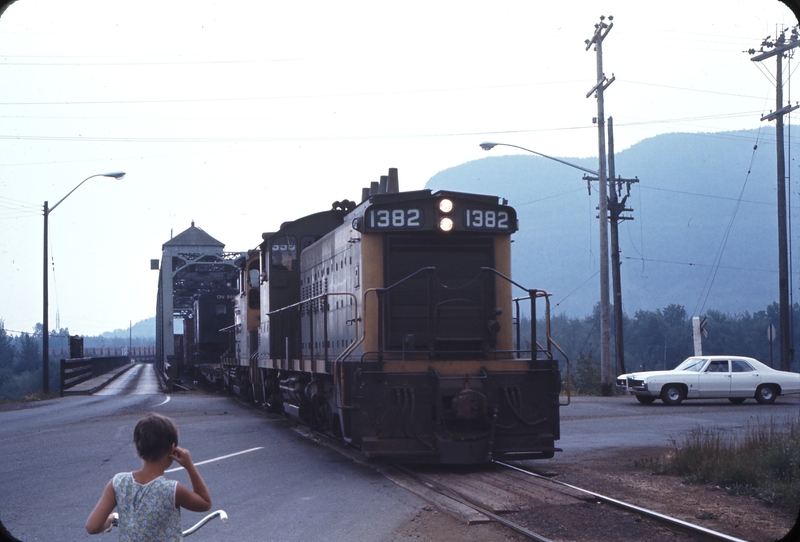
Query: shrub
x,y
763,463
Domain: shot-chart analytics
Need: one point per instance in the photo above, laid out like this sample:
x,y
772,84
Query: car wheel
x,y
645,399
766,394
736,400
672,394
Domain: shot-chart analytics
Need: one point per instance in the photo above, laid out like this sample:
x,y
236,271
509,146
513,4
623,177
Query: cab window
x,y
283,253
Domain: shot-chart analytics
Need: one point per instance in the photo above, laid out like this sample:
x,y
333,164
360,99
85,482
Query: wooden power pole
x,y
601,30
616,207
779,48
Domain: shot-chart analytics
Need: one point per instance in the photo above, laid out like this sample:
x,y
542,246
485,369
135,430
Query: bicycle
x,y
194,528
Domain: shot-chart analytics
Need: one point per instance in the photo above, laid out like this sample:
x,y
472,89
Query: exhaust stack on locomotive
x,y
388,324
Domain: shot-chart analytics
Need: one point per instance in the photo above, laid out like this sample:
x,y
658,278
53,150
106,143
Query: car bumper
x,y
633,385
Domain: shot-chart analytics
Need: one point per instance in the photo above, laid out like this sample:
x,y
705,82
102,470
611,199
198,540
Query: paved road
x,y
57,456
600,424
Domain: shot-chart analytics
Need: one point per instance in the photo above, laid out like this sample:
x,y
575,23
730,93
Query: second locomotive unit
x,y
388,324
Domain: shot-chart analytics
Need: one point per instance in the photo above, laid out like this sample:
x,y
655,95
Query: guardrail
x,y
77,370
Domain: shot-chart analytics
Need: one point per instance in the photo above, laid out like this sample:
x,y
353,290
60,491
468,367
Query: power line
x,y
295,96
95,139
738,200
12,208
688,89
718,258
693,264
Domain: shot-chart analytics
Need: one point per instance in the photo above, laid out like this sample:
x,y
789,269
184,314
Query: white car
x,y
734,378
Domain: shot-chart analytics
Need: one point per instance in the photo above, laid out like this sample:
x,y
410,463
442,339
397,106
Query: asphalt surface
x,y
602,424
59,454
275,484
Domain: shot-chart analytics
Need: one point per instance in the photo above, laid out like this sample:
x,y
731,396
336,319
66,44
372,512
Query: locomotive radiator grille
x,y
445,309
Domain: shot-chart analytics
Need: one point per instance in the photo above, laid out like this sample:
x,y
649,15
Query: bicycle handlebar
x,y
217,514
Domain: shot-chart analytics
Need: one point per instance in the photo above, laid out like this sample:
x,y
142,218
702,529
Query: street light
x,y
45,330
488,145
605,334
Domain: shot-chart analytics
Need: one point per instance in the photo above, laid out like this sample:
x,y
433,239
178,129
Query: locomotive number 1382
x,y
482,218
395,218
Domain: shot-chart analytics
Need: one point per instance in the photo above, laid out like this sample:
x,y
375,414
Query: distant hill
x,y
145,329
704,233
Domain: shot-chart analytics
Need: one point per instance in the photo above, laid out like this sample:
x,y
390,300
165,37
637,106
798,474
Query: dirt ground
x,y
625,476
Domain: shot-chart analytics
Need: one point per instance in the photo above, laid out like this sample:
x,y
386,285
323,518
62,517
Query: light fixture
x,y
445,205
446,223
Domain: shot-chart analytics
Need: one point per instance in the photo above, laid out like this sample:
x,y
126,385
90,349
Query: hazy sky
x,y
240,115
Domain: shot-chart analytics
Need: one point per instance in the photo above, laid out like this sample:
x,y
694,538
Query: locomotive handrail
x,y
496,272
401,281
338,375
336,364
532,294
569,374
378,292
355,319
310,299
550,341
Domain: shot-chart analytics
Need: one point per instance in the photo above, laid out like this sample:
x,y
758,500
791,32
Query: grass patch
x,y
763,463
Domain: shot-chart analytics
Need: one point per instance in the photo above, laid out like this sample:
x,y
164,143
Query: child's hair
x,y
154,436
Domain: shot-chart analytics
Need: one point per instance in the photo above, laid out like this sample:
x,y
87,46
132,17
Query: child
x,y
149,504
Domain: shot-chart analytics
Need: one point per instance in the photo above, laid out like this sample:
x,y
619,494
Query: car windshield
x,y
691,364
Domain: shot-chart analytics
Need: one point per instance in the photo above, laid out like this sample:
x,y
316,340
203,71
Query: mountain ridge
x,y
703,234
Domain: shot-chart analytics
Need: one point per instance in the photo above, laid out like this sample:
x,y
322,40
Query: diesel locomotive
x,y
390,325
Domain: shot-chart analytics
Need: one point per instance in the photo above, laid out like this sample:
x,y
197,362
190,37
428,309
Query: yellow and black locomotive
x,y
389,324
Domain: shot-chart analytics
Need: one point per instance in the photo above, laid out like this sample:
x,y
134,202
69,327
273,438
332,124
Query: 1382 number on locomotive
x,y
487,219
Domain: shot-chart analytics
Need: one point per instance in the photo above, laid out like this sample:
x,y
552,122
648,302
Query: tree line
x,y
662,338
658,339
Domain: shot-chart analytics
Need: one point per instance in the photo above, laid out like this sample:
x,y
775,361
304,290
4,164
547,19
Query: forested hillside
x,y
703,234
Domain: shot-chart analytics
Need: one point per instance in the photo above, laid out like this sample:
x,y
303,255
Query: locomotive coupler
x,y
469,404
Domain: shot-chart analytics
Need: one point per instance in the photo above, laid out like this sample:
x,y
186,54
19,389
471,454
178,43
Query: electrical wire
x,y
11,208
712,275
694,264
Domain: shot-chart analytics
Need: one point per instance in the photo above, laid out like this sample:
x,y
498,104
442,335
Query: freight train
x,y
390,325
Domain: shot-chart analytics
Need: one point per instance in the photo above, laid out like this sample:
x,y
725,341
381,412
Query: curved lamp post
x,y
488,145
45,330
605,334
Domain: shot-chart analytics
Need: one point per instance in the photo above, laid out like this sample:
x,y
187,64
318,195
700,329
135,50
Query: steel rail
x,y
452,494
631,507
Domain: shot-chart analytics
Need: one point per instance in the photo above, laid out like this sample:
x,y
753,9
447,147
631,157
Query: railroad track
x,y
533,505
543,509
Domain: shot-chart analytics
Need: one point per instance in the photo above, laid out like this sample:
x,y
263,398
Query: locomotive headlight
x,y
446,223
445,205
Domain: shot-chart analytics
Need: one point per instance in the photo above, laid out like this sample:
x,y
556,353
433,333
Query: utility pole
x,y
45,331
780,48
601,30
615,208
